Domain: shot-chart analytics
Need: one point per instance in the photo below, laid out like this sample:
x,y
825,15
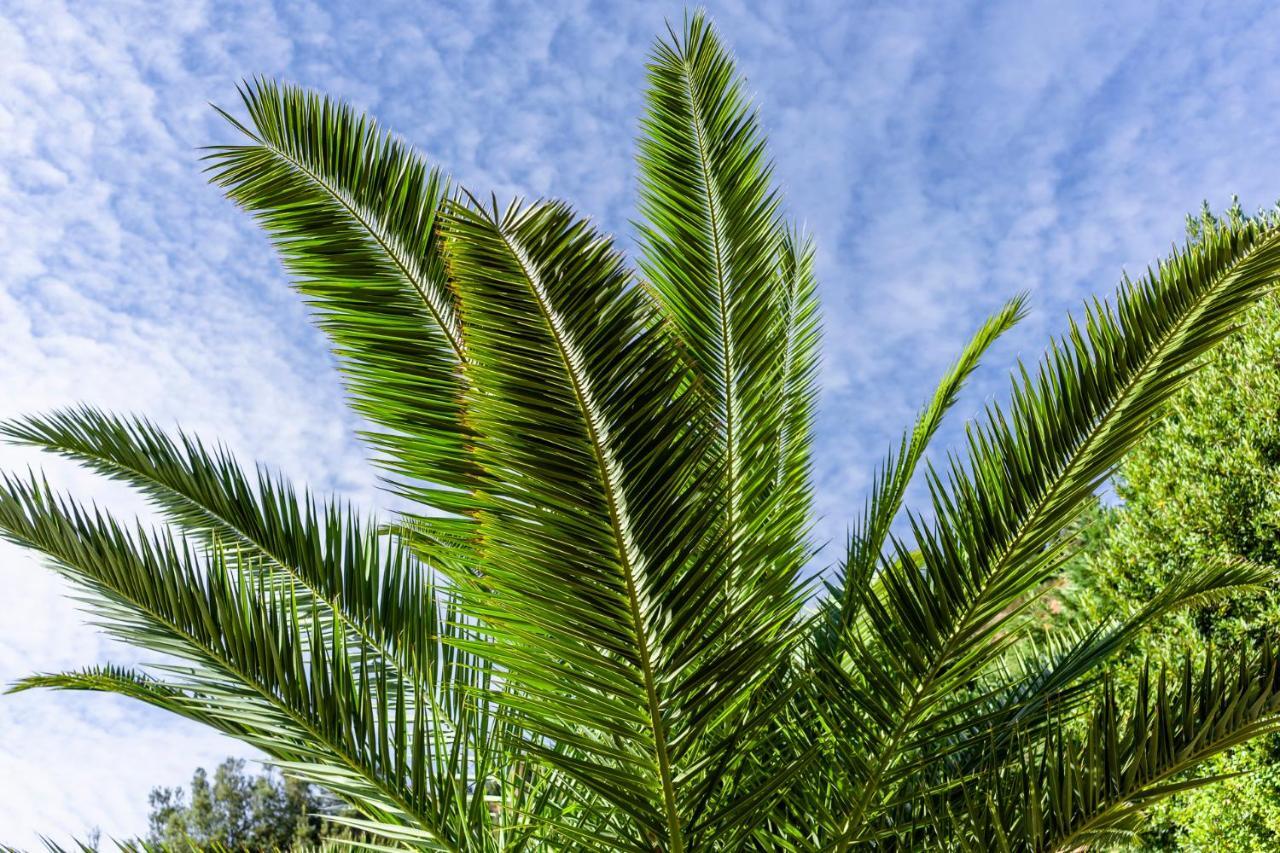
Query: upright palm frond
x,y
600,577
711,244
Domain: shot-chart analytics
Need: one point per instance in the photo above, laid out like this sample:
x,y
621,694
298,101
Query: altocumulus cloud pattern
x,y
944,159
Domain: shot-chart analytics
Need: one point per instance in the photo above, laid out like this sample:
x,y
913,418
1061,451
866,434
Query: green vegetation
x,y
590,631
237,811
1203,486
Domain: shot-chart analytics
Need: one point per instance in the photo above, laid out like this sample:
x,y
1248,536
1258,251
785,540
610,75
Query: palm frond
x,y
333,562
123,681
867,541
1043,683
353,213
998,516
711,245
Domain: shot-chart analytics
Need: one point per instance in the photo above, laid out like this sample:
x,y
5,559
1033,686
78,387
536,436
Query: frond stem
x,y
727,352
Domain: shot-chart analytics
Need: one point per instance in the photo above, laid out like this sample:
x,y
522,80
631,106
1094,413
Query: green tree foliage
x,y
238,811
589,631
1205,485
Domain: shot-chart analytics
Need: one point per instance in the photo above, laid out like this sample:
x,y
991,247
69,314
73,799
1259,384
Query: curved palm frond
x,y
1042,684
127,682
328,559
1036,682
884,505
353,213
257,666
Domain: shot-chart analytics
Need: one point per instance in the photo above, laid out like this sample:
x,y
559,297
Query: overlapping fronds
x,y
999,513
251,664
610,471
601,571
322,553
1080,788
1044,682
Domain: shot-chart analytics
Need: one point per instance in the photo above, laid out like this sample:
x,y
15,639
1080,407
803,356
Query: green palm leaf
x,y
1078,789
352,211
328,559
736,288
867,541
601,580
1042,684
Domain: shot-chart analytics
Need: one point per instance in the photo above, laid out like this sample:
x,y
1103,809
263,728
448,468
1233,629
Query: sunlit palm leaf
x,y
867,541
601,580
711,245
352,211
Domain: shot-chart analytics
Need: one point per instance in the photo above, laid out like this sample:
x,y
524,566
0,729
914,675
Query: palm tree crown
x,y
593,629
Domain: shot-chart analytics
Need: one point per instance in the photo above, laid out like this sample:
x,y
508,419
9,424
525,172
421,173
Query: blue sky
x,y
945,155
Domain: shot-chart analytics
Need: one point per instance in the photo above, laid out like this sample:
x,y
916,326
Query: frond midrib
x,y
790,383
727,351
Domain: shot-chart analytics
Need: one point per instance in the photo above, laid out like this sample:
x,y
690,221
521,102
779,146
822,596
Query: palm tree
x,y
594,628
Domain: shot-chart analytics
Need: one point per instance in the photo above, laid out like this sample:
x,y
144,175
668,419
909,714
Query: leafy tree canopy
x,y
238,811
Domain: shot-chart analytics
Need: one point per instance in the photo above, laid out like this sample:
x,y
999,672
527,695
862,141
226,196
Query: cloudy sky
x,y
945,155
